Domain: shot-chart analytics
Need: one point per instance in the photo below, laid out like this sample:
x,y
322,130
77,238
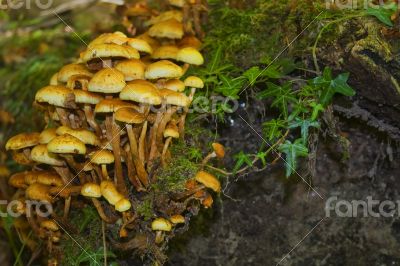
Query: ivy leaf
x,y
252,74
242,159
292,152
282,101
230,87
273,128
304,126
316,109
331,86
383,13
298,108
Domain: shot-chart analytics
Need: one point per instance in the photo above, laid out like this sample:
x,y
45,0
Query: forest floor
x,y
265,217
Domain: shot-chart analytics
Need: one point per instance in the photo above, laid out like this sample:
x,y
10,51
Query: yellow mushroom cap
x,y
84,135
110,193
175,85
152,42
72,70
40,154
109,50
175,98
86,97
18,180
137,10
109,38
177,219
47,135
107,80
112,105
190,55
165,52
91,190
132,69
23,140
55,95
171,131
219,150
171,14
123,205
141,93
102,157
49,225
190,41
43,177
161,224
177,3
140,45
171,29
194,82
54,80
208,180
129,116
38,191
66,144
163,69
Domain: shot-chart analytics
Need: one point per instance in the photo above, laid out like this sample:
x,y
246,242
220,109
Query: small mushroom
x,y
170,132
161,225
218,152
208,180
91,190
103,158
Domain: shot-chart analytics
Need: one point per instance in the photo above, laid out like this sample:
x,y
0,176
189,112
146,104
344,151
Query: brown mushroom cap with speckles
x,y
66,144
112,105
132,69
163,69
141,93
171,29
40,154
23,140
84,135
71,70
103,51
129,116
107,80
55,95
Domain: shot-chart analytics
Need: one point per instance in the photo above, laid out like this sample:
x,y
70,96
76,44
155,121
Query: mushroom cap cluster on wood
x,y
104,140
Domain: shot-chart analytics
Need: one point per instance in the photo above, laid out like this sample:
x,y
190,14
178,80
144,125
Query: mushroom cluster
x,y
111,118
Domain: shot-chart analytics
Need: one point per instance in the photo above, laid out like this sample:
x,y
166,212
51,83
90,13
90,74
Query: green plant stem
x,y
314,48
18,257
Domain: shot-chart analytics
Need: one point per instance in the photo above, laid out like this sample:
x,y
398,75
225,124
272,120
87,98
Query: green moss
x,y
179,170
145,208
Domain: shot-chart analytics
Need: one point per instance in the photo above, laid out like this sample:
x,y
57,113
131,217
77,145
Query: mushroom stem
x,y
164,152
154,153
63,115
115,143
141,171
131,170
67,207
102,214
104,172
208,158
91,120
142,143
185,68
163,124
